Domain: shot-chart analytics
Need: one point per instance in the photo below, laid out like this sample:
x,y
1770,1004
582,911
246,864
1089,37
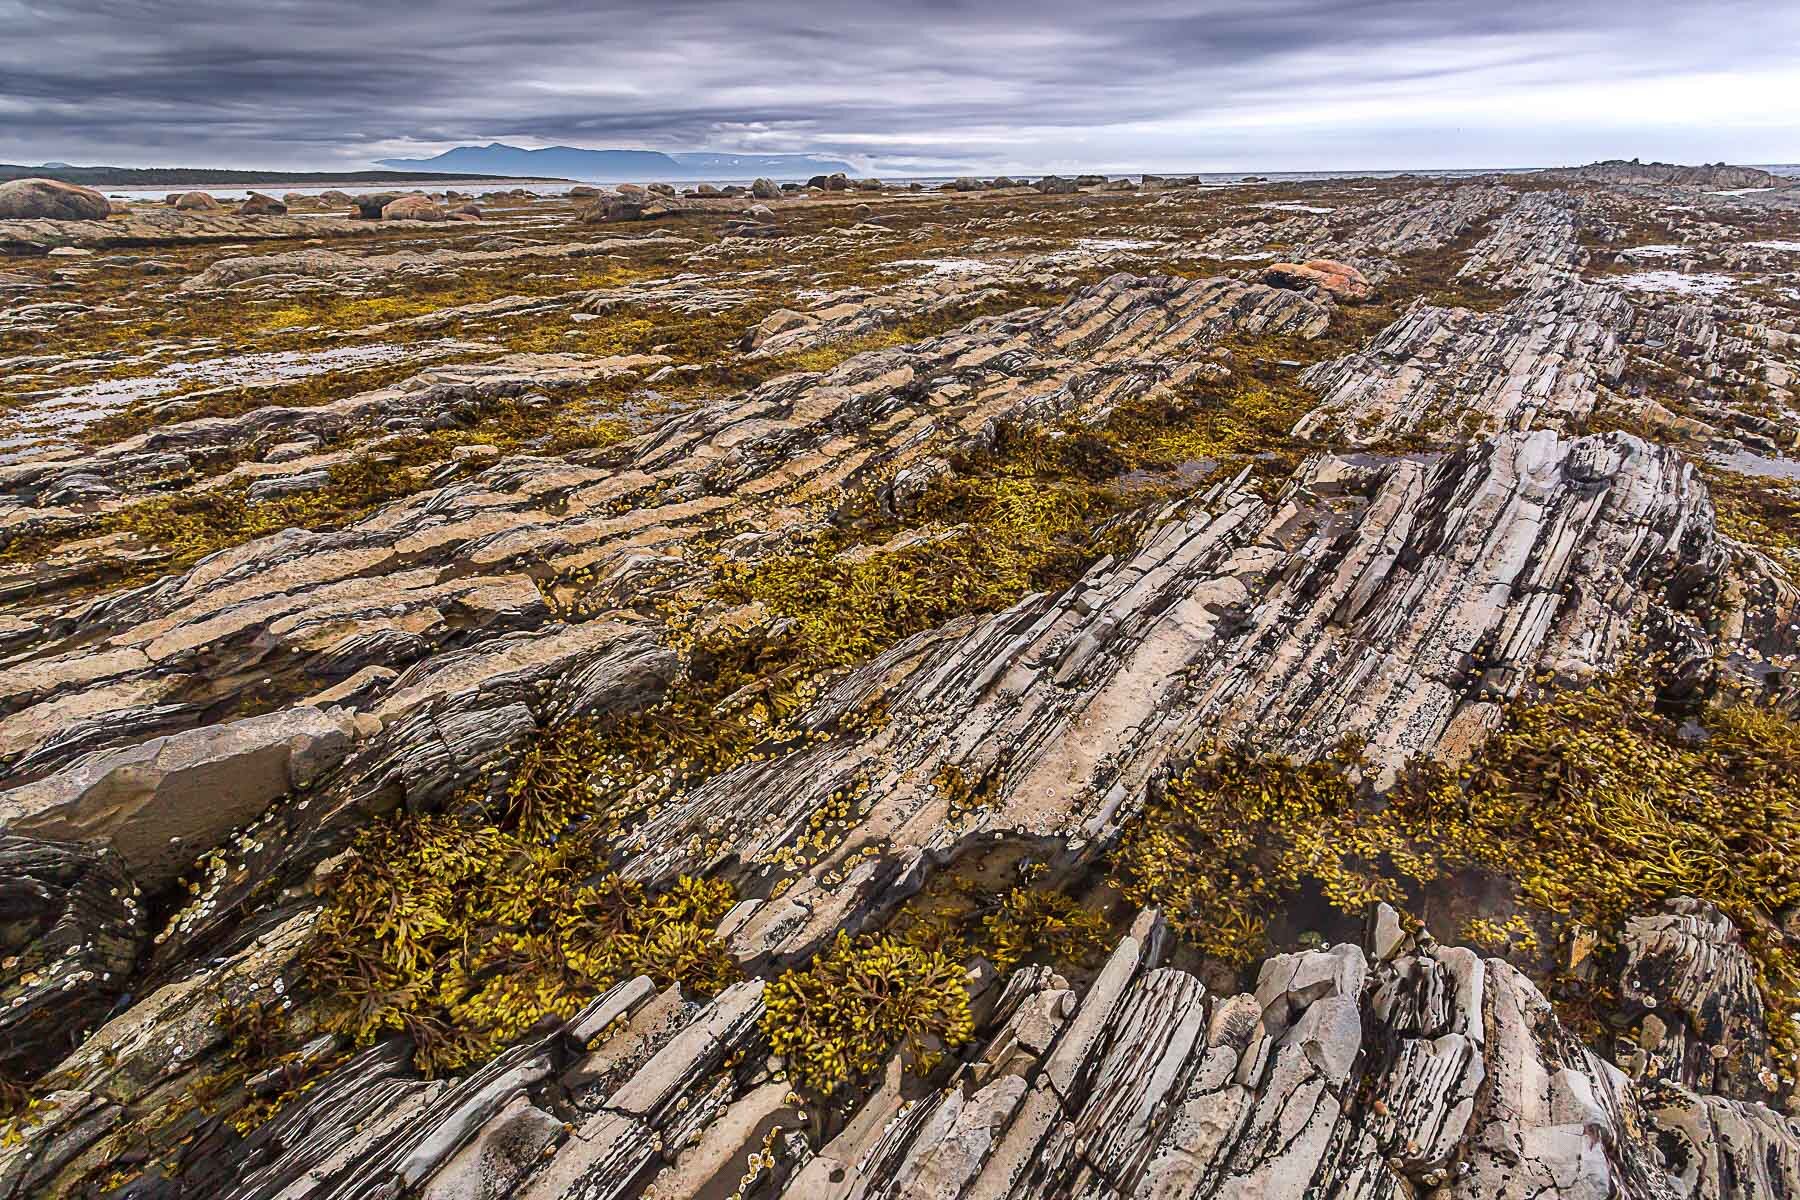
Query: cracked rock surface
x,y
697,604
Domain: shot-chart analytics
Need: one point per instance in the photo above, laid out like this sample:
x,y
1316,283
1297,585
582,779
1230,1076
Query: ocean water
x,y
559,187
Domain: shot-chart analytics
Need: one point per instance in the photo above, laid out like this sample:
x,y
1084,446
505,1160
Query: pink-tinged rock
x,y
414,207
1341,281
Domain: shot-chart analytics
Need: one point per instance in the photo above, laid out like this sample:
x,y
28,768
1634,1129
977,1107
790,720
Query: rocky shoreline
x,y
854,691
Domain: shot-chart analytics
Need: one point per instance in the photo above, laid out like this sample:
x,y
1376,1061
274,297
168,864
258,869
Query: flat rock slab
x,y
162,802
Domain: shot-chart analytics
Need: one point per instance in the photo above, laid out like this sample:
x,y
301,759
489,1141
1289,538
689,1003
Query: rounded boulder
x,y
23,199
259,205
414,207
1341,281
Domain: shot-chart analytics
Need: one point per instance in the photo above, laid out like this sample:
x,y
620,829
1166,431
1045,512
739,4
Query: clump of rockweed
x,y
463,932
1228,840
463,936
1026,922
1764,513
1589,804
1230,420
838,1019
979,544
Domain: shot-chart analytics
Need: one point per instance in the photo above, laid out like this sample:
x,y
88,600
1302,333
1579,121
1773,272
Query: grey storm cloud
x,y
898,83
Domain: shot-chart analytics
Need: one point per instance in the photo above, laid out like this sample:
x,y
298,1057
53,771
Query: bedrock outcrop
x,y
773,576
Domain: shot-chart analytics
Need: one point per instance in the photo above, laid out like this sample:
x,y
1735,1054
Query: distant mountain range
x,y
573,162
203,177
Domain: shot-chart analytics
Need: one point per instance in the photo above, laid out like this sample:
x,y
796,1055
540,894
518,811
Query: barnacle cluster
x,y
965,792
837,1020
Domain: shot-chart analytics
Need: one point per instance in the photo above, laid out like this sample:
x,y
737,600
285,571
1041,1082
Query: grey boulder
x,y
22,199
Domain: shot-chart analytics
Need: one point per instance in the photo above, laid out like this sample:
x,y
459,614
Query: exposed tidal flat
x,y
1101,687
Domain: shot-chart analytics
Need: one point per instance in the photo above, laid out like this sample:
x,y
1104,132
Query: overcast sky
x,y
898,85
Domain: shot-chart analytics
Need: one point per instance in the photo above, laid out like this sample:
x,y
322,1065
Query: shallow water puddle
x,y
1116,244
1748,462
63,414
947,266
1697,283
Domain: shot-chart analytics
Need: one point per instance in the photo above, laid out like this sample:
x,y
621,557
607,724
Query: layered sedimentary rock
x,y
1311,524
1388,1069
1404,599
167,227
1365,235
1555,357
306,592
358,270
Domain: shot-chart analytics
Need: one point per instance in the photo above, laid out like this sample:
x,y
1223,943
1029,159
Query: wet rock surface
x,y
860,692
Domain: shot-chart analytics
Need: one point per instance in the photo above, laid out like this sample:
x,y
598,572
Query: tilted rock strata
x,y
1407,597
300,593
152,227
1552,358
1401,598
1384,1071
230,273
1718,175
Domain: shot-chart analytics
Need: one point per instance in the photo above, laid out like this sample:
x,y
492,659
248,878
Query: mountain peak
x,y
576,162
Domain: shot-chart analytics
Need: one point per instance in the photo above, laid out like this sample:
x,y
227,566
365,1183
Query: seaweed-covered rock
x,y
918,706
